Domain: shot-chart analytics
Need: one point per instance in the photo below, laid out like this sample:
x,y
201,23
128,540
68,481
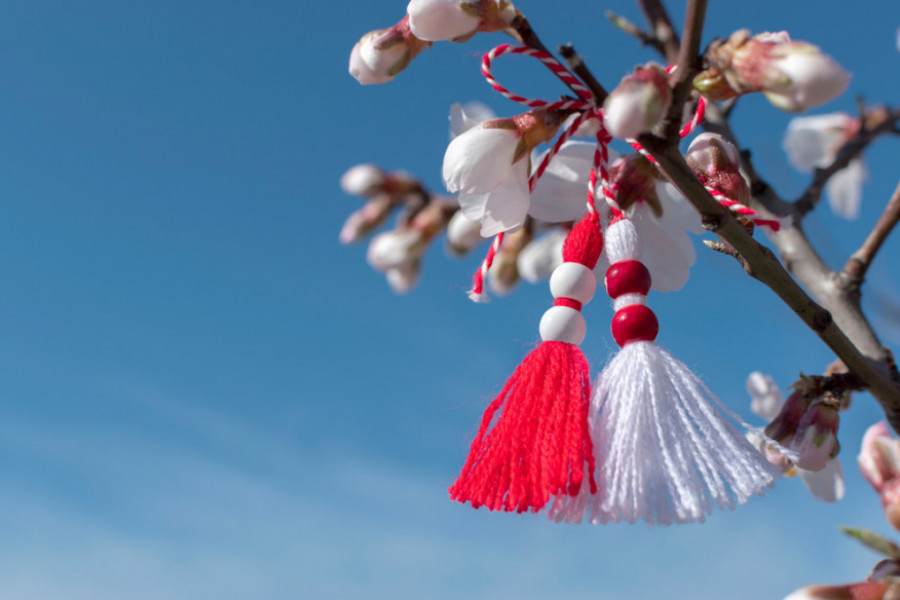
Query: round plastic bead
x,y
563,324
573,280
635,323
627,277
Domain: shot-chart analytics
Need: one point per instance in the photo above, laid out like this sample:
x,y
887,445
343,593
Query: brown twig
x,y
662,28
577,66
647,39
850,150
688,65
854,272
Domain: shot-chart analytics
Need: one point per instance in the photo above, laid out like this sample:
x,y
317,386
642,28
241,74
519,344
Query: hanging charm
x,y
540,445
666,452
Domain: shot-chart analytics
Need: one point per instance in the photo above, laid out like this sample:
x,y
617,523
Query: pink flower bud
x,y
863,590
716,163
539,258
794,76
361,222
404,277
638,103
633,179
879,462
363,180
391,249
438,20
379,55
815,441
463,234
504,273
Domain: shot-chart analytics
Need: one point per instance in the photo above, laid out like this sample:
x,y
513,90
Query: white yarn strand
x,y
665,452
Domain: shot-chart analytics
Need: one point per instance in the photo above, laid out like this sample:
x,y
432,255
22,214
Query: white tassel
x,y
666,452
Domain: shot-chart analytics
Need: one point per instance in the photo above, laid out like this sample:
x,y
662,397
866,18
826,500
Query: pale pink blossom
x,y
813,142
793,75
404,277
539,258
825,483
638,103
717,164
879,462
488,166
463,234
438,20
380,55
363,180
863,590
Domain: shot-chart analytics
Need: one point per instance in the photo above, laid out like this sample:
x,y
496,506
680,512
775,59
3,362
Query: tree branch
x,y
885,121
577,66
661,26
854,272
688,65
872,361
647,39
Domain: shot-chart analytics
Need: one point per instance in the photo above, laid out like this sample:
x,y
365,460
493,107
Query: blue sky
x,y
202,395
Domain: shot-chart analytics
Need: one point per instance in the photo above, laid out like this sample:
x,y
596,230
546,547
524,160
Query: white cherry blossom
x,y
814,141
766,400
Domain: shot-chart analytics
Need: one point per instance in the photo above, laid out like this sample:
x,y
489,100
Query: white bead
x,y
627,300
563,324
573,280
622,242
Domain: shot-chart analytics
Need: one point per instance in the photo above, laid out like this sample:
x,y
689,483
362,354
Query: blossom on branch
x,y
802,425
380,55
458,20
638,103
813,142
794,76
879,462
488,165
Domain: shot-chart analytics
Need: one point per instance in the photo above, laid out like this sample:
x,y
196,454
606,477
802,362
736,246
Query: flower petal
x,y
478,159
826,485
844,190
507,204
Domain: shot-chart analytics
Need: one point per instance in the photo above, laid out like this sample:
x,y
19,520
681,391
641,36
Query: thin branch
x,y
630,28
688,64
577,66
850,150
662,28
854,272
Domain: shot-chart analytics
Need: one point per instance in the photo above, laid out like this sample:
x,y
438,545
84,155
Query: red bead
x,y
634,323
627,277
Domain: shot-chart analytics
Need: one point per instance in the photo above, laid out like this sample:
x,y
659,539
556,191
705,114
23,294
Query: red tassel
x,y
540,443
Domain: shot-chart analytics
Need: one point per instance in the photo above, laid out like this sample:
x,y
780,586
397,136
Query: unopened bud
x,y
361,222
463,234
539,258
504,273
863,590
404,277
815,441
458,20
638,103
380,55
793,75
879,462
716,163
391,249
363,180
634,179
